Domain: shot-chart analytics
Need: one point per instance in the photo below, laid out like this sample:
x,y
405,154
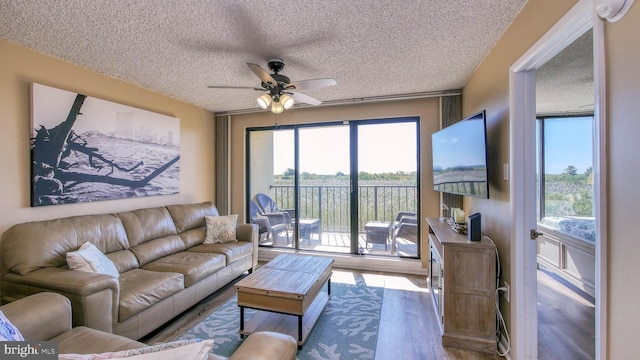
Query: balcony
x,y
377,205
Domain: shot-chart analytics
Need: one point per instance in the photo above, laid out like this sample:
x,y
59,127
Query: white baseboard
x,y
356,262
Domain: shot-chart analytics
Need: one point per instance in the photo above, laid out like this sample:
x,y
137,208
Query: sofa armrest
x,y
249,233
41,316
94,297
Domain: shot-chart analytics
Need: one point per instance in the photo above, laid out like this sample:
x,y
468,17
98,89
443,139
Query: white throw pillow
x,y
8,331
195,349
89,258
221,229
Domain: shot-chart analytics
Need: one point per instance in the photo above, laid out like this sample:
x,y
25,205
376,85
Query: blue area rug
x,y
347,328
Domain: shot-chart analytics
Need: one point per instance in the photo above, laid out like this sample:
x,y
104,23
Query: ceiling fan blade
x,y
305,98
235,87
263,75
312,84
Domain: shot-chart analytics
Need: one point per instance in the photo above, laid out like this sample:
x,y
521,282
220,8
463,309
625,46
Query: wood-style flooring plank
x,y
408,325
566,322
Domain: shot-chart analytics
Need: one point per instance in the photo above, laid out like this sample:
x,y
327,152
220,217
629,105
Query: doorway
x,y
574,24
348,187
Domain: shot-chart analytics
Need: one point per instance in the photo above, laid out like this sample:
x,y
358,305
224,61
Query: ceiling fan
x,y
282,93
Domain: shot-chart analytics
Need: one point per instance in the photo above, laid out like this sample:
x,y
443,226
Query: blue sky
x,y
460,144
568,141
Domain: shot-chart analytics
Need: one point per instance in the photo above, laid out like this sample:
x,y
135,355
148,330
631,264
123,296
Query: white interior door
x,y
523,173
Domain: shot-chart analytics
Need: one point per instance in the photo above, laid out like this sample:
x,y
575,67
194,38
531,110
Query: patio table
x,y
377,232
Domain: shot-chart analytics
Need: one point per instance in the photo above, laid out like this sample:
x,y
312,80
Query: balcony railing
x,y
331,203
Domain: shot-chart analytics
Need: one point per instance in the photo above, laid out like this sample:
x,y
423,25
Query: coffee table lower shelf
x,y
298,326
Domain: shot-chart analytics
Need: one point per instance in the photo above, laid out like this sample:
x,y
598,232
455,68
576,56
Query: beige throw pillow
x,y
89,258
221,229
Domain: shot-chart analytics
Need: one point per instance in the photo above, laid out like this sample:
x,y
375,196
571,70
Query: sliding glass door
x,y
324,201
387,178
348,187
271,168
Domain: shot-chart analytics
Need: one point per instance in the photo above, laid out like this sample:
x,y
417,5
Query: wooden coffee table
x,y
287,285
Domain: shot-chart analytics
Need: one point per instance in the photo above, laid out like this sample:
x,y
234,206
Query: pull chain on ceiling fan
x,y
281,92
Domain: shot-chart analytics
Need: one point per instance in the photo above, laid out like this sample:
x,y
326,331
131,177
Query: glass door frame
x,y
353,154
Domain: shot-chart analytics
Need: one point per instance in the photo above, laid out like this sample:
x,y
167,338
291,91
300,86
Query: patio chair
x,y
276,215
406,226
266,231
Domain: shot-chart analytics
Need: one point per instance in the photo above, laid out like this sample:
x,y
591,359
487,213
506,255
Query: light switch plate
x,y
505,171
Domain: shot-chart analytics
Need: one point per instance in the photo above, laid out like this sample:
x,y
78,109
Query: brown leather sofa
x,y
53,310
164,266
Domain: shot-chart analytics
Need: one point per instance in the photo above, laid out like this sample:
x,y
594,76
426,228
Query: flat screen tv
x,y
460,157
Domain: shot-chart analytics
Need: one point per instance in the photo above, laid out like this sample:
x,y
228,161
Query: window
x,y
565,178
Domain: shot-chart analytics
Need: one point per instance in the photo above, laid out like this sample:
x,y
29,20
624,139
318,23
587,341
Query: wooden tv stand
x,y
462,279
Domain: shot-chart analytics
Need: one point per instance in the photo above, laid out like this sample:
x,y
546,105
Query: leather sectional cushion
x,y
34,245
141,289
155,249
232,250
147,224
267,345
194,266
83,340
193,237
124,260
191,216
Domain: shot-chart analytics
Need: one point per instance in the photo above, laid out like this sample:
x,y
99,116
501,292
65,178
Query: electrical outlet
x,y
506,291
505,171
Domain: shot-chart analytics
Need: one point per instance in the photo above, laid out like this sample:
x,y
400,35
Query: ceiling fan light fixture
x,y
264,101
276,107
276,85
287,101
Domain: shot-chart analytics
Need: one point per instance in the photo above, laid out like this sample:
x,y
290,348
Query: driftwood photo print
x,y
86,149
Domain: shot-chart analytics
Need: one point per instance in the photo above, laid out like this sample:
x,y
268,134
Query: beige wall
x,y
20,66
488,89
427,109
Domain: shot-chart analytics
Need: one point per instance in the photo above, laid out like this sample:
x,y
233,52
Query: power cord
x,y
501,323
500,318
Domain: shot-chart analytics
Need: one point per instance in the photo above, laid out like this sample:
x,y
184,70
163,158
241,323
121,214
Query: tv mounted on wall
x,y
460,157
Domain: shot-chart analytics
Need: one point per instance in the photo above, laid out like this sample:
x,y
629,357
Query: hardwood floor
x,y
566,320
408,324
408,328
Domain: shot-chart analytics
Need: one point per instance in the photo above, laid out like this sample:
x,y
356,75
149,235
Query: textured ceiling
x,y
564,84
373,49
178,47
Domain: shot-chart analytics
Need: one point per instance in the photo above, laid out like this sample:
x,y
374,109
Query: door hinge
x,y
535,233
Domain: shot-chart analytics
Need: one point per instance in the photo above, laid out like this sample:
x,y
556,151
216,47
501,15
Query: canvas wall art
x,y
86,149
